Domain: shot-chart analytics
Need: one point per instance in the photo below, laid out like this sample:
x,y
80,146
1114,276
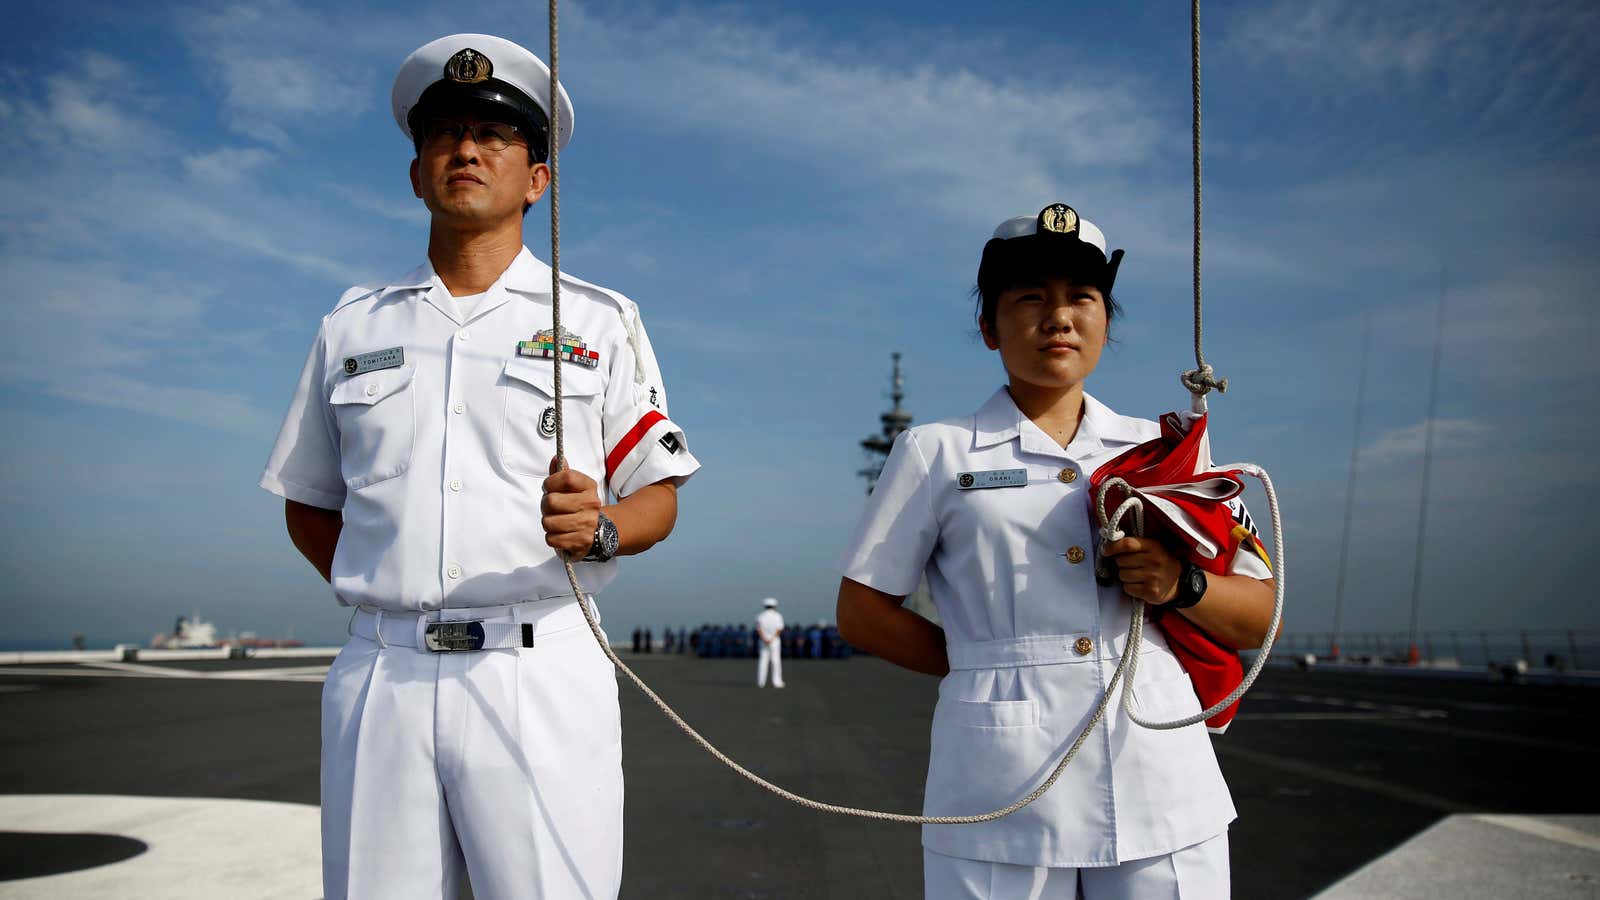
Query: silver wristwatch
x,y
605,541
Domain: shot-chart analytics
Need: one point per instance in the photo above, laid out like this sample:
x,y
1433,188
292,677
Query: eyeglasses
x,y
491,136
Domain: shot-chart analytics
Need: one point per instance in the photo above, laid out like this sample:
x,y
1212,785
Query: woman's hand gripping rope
x,y
1111,533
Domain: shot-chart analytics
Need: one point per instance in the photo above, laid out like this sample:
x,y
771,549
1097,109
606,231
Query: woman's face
x,y
1049,335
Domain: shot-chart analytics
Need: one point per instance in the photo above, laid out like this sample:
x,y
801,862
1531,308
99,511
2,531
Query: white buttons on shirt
x,y
455,485
454,571
372,389
459,407
462,334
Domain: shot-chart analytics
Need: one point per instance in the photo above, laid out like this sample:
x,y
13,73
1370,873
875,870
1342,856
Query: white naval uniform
x,y
506,759
1032,641
770,656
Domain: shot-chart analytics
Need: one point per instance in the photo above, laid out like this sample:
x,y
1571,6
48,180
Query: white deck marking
x,y
1475,857
1550,831
199,848
311,674
143,669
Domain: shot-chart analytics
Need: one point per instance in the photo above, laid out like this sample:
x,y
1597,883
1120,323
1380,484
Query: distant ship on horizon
x,y
194,633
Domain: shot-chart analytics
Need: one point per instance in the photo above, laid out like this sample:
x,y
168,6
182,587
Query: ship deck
x,y
198,778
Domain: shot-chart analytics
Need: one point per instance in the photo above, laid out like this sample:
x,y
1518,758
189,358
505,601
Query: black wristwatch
x,y
605,541
1191,587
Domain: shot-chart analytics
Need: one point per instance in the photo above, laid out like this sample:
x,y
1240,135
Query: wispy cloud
x,y
1409,441
99,101
971,145
222,410
91,327
226,165
1487,59
393,209
279,66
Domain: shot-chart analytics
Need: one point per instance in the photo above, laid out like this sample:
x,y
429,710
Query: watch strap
x,y
606,540
1187,595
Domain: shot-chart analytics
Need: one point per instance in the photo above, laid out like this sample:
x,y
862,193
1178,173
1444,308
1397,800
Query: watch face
x,y
1197,581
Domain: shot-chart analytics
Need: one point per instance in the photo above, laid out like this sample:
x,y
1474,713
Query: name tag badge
x,y
392,358
994,478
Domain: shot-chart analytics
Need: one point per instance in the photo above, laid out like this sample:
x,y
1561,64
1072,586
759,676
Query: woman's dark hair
x,y
1033,268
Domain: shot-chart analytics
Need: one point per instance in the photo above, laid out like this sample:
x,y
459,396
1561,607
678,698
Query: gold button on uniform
x,y
1083,645
1075,555
1067,476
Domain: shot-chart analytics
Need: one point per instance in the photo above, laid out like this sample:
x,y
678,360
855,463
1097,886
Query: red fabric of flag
x,y
1185,499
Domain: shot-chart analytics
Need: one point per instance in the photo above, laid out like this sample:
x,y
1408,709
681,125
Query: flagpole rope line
x,y
1203,381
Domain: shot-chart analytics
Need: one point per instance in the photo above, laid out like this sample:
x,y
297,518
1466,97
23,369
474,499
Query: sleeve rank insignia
x,y
570,347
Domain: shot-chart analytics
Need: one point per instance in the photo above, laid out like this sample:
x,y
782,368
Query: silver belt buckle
x,y
448,637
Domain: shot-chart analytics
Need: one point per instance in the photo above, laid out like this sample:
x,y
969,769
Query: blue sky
x,y
791,192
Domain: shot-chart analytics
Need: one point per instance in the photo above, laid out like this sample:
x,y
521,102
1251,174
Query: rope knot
x,y
1203,381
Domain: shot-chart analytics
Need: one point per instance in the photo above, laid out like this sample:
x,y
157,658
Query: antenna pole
x,y
1413,655
1350,488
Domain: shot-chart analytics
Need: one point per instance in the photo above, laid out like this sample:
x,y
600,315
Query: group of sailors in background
x,y
819,641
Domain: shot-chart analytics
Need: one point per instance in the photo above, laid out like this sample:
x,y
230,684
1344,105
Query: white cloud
x,y
1489,60
1409,441
405,212
90,325
222,410
280,64
226,165
972,146
96,105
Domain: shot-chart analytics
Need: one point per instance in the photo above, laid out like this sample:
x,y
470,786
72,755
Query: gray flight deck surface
x,y
1329,770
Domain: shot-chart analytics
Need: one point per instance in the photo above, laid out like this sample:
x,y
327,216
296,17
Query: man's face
x,y
1049,335
462,182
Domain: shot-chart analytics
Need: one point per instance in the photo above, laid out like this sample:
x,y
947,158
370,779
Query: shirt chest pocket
x,y
377,417
528,436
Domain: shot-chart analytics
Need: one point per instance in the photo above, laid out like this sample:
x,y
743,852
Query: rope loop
x,y
1203,381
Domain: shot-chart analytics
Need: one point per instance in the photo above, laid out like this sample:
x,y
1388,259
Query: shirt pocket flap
x,y
539,374
997,713
370,387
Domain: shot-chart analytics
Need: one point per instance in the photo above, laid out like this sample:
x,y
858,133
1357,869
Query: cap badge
x,y
1059,218
468,67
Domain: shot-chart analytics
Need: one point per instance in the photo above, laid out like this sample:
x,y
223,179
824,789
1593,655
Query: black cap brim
x,y
1034,257
491,96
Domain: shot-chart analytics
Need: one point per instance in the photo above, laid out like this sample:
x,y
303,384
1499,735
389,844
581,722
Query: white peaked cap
x,y
1022,226
509,63
770,602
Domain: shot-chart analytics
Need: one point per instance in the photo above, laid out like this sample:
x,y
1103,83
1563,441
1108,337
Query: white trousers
x,y
1196,872
503,764
769,657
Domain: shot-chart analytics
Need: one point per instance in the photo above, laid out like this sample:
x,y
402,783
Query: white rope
x,y
1136,624
1202,378
1110,530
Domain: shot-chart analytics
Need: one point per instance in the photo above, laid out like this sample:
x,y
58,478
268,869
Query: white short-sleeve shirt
x,y
434,435
1033,640
770,621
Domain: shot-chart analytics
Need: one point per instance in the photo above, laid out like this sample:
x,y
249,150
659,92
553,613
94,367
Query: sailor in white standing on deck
x,y
991,508
471,722
769,628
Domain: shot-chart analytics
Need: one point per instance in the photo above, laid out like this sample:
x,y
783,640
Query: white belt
x,y
470,628
1041,650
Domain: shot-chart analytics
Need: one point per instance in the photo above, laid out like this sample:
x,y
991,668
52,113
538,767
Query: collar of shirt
x,y
1000,420
527,274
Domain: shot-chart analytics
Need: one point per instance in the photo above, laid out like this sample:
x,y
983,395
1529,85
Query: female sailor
x,y
991,508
